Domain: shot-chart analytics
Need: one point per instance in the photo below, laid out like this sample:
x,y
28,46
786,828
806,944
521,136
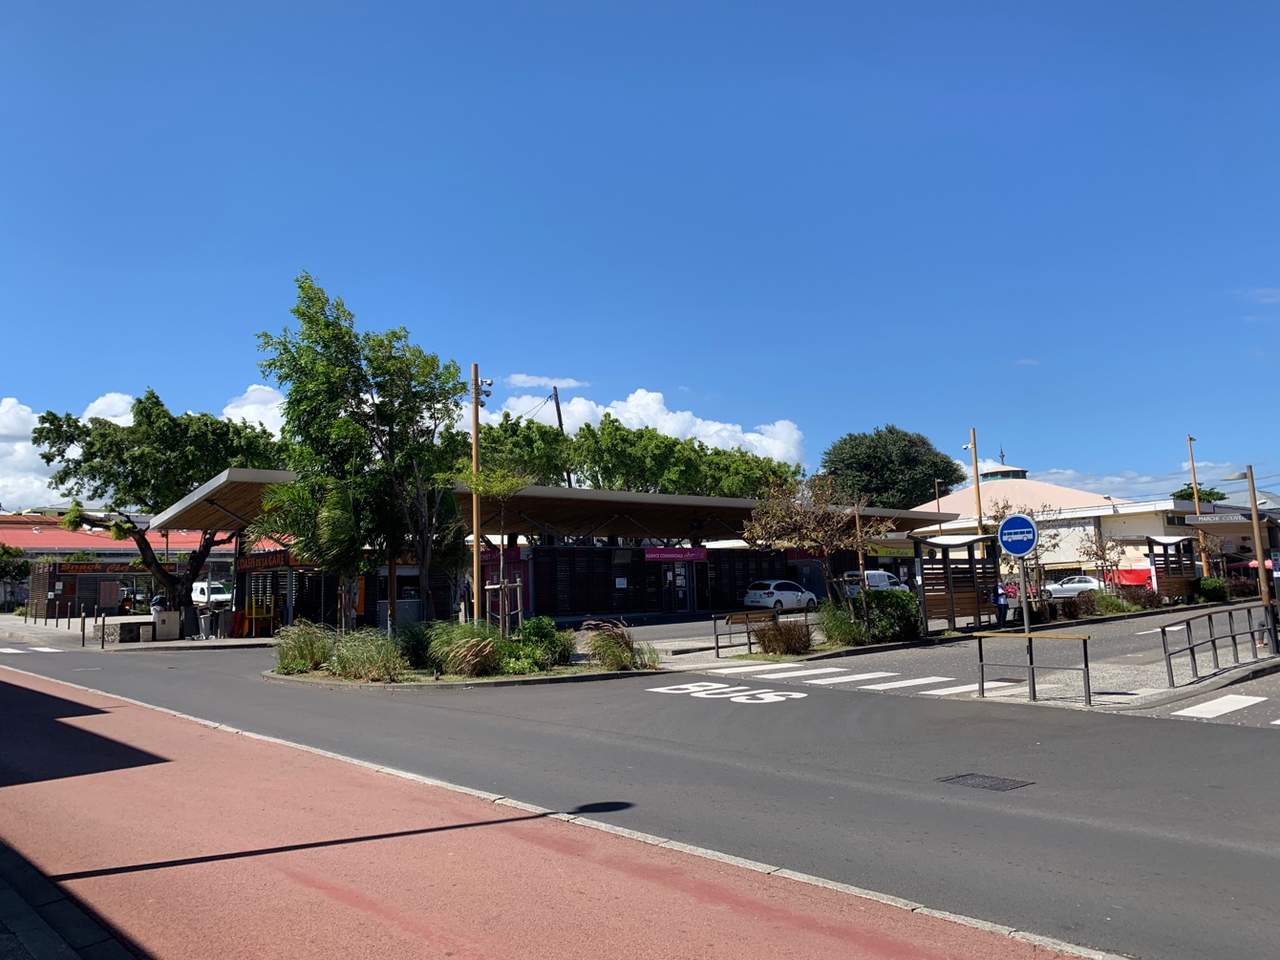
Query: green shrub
x,y
545,645
787,636
20,611
892,616
614,648
414,640
1242,587
1108,604
1211,589
538,630
1143,598
368,654
303,647
840,629
1087,604
466,649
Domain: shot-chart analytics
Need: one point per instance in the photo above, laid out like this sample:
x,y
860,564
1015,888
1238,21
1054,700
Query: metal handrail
x,y
1030,666
1267,628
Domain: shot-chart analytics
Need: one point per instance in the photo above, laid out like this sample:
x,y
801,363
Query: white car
x,y
876,580
1071,587
780,595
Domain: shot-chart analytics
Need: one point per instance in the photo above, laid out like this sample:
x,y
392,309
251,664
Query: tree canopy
x,y
612,456
1207,494
13,564
370,423
890,467
145,466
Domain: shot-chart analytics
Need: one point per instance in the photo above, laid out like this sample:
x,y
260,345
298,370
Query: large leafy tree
x,y
1207,494
612,456
890,467
535,450
375,412
14,565
145,466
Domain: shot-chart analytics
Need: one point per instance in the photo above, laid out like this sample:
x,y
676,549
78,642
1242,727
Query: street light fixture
x,y
1264,584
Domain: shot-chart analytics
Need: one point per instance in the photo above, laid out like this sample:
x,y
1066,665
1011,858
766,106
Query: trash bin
x,y
206,622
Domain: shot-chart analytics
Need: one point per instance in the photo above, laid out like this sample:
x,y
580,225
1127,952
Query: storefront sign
x,y
267,560
107,567
673,554
887,550
1217,518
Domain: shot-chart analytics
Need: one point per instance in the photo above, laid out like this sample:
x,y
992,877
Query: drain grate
x,y
984,781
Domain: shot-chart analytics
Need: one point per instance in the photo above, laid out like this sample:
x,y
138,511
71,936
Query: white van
x,y
210,593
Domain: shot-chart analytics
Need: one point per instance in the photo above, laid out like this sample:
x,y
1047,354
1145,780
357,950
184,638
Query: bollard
x,y
82,624
46,612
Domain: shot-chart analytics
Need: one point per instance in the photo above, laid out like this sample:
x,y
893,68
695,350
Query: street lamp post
x,y
1195,495
972,447
478,393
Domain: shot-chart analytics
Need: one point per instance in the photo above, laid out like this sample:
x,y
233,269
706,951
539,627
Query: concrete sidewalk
x,y
197,842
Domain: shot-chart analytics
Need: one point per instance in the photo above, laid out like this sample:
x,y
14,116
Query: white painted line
x,y
895,684
11,650
1275,723
967,688
749,668
798,673
47,649
855,676
1143,633
1218,706
1021,687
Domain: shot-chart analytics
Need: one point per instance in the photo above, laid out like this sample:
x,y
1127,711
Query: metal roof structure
x,y
230,501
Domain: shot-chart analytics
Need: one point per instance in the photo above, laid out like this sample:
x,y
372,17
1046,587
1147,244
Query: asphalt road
x,y
1154,838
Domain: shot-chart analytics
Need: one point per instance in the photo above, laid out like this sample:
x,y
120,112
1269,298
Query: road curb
x,y
782,873
373,686
1228,678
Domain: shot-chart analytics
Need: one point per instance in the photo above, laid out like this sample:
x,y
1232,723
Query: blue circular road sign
x,y
1018,535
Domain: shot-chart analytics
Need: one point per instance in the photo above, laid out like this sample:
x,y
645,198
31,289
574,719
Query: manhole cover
x,y
984,781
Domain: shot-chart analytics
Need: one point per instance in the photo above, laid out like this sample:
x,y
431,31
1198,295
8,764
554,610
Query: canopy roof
x,y
577,512
230,501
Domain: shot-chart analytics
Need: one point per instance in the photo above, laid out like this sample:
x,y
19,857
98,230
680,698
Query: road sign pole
x,y
1026,626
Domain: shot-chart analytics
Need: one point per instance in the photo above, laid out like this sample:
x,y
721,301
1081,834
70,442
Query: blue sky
x,y
788,220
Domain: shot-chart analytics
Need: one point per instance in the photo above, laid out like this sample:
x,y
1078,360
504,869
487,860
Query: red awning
x,y
1140,577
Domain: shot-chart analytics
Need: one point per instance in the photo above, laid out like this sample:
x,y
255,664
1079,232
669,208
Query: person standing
x,y
1001,601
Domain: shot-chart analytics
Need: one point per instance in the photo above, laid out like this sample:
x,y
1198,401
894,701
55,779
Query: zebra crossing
x,y
877,681
21,650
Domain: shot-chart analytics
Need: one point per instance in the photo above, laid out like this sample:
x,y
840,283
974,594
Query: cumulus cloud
x,y
258,404
524,381
116,407
781,439
24,479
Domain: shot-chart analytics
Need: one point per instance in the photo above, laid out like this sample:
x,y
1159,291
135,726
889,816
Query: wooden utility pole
x,y
977,484
937,502
555,396
475,499
1260,548
1195,495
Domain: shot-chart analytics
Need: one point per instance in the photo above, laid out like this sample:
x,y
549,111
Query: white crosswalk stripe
x,y
797,673
968,688
854,676
748,668
1219,706
897,684
11,650
47,649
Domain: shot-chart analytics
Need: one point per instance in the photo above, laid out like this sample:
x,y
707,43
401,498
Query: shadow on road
x,y
611,806
26,891
39,746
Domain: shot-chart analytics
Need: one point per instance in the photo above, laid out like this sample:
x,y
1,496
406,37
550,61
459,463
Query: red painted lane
x,y
182,854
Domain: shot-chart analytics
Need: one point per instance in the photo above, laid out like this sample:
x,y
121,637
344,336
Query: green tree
x,y
497,486
890,466
375,412
145,467
1207,494
14,565
535,450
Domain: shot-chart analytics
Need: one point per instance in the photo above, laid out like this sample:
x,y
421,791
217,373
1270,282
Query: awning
x,y
230,501
579,512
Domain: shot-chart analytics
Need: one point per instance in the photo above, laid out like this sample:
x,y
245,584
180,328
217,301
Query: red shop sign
x,y
675,553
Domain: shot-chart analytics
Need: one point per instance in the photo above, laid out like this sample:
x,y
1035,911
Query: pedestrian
x,y
1001,601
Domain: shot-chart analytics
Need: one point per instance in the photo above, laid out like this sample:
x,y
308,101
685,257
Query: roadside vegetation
x,y
447,651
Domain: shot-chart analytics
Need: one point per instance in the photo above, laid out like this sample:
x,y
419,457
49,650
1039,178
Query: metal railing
x,y
1031,666
1259,627
745,619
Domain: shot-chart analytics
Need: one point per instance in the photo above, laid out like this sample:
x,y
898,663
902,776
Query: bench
x,y
741,618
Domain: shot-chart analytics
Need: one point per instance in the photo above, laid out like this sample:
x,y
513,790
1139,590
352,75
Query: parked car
x,y
210,593
1070,587
780,594
876,580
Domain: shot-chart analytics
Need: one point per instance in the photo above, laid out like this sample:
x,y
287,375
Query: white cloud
x,y
258,404
17,420
116,407
781,439
526,380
